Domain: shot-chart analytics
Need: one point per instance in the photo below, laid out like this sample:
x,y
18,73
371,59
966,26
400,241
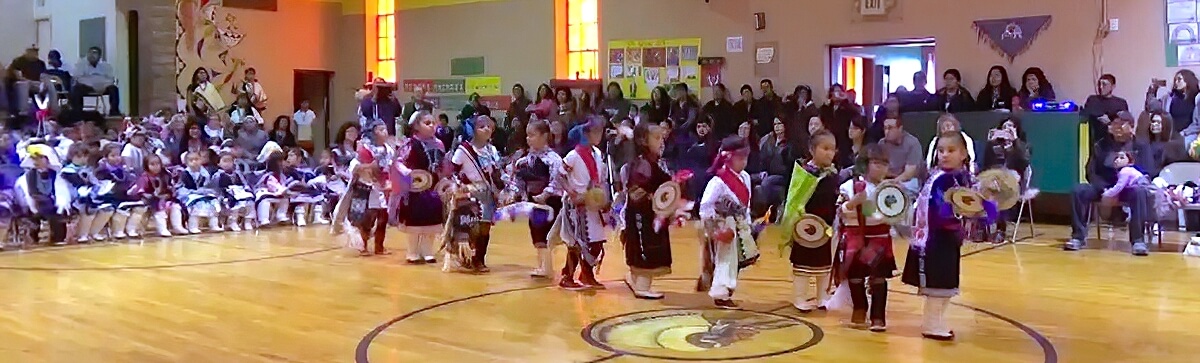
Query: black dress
x,y
647,250
823,203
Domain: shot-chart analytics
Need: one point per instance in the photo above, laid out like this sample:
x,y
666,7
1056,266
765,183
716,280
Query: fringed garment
x,y
647,248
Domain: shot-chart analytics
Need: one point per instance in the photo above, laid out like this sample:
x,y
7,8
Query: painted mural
x,y
205,34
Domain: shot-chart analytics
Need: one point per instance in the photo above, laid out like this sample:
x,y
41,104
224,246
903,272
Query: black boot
x,y
481,247
879,295
858,294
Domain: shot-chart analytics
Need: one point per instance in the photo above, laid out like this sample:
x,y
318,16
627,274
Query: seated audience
x,y
95,76
282,133
1035,86
904,155
1154,130
721,113
855,163
953,97
1099,106
251,140
57,68
1102,175
998,93
615,107
1006,148
768,107
518,107
1180,102
892,107
243,111
836,115
918,99
777,158
24,79
544,105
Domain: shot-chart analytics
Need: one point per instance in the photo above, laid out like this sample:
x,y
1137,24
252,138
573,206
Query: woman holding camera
x,y
1006,148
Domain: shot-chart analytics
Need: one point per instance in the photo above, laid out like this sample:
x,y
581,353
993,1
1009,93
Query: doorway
x,y
44,34
875,70
313,86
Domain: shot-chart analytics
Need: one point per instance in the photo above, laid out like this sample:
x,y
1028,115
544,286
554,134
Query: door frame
x,y
296,93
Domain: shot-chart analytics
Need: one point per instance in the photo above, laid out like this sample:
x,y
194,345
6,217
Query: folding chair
x,y
1027,195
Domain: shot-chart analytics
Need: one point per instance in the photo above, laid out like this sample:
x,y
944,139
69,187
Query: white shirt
x,y
97,77
847,192
303,120
578,177
238,115
716,190
489,158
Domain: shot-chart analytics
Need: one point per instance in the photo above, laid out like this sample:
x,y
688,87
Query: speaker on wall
x,y
760,21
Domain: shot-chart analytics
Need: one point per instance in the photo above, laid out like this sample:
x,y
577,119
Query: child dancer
x,y
113,191
647,243
725,213
419,213
45,192
477,173
302,196
535,180
867,258
334,185
932,264
134,151
195,192
364,206
583,225
154,187
81,176
272,192
236,198
813,190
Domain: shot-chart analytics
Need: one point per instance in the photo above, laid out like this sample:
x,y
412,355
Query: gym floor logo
x,y
702,334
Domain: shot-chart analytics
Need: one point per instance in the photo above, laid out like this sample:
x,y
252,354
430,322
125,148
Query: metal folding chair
x,y
1028,193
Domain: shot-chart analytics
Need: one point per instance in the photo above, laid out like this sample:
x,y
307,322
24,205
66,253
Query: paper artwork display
x,y
640,65
1182,43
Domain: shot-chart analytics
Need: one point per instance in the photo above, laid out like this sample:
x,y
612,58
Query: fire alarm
x,y
760,21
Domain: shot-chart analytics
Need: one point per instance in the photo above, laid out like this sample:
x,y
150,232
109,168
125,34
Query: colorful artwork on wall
x,y
1183,33
640,65
1011,36
205,35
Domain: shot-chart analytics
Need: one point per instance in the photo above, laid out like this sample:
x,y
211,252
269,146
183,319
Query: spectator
x,y
345,147
659,106
282,133
252,139
1180,102
799,105
1154,130
998,93
855,163
768,107
745,109
203,98
836,115
215,133
754,165
904,155
777,159
444,132
250,87
1101,175
953,97
473,108
518,107
685,109
56,69
615,107
544,104
948,123
919,98
589,103
719,111
558,137
1100,107
244,112
1006,148
892,107
304,118
382,106
697,157
1034,87
25,80
566,102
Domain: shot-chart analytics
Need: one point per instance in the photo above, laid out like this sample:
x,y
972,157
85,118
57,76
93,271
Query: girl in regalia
x,y
536,178
865,252
236,199
45,192
363,209
932,264
420,214
154,188
813,190
477,175
729,236
272,192
583,224
333,186
302,195
115,180
195,192
82,177
647,242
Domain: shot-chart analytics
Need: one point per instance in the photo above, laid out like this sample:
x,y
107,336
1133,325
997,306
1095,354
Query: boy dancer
x,y
582,224
729,244
867,257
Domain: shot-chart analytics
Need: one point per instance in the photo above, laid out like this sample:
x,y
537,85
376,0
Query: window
x,y
583,39
385,31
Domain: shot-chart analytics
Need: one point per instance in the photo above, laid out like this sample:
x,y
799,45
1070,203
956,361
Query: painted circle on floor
x,y
702,334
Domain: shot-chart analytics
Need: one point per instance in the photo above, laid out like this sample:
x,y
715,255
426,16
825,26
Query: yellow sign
x,y
485,86
641,65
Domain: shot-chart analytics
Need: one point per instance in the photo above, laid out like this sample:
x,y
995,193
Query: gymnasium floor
x,y
291,295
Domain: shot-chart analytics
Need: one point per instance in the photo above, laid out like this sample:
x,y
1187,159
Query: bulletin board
x,y
640,65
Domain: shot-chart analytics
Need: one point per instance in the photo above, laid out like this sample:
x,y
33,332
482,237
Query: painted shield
x,y
445,189
1002,186
811,231
595,199
666,198
966,202
421,180
892,202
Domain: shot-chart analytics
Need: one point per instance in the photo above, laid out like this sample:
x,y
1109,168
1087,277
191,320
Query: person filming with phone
x,y
1006,148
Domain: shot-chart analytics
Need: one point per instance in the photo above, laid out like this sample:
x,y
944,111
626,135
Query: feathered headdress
x,y
41,150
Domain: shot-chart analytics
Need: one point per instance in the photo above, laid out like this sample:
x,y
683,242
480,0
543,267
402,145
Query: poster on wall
x,y
1183,39
450,94
640,65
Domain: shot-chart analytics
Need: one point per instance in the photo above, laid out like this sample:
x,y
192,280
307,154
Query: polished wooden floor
x,y
290,295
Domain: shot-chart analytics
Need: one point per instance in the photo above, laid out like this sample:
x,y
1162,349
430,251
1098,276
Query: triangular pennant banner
x,y
1011,36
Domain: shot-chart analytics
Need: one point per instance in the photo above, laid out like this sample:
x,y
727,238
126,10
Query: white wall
x,y
16,23
64,18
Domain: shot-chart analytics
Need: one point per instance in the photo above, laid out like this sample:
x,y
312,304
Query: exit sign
x,y
872,7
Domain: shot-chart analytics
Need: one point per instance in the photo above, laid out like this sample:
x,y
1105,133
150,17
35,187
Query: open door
x,y
313,86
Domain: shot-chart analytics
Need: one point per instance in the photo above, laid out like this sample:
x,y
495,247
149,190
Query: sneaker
x,y
482,269
430,260
569,284
939,337
1140,249
725,303
878,326
1074,245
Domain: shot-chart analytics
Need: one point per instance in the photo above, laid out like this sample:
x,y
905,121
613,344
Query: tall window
x,y
583,39
385,35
